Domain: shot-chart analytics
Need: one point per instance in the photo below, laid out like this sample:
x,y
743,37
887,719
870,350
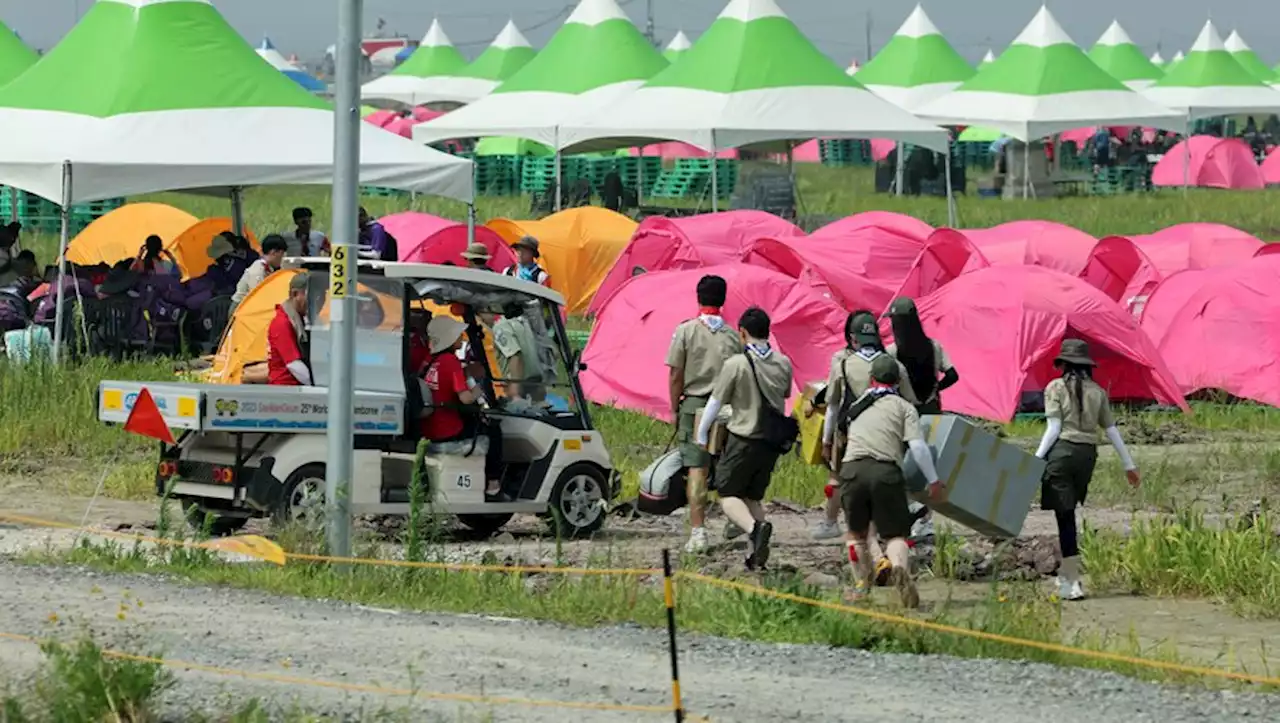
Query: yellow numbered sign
x,y
338,280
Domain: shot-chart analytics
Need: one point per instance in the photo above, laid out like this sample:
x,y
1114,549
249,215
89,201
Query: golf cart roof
x,y
436,272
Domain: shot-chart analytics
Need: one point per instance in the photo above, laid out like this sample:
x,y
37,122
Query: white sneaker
x,y
1070,590
697,541
826,530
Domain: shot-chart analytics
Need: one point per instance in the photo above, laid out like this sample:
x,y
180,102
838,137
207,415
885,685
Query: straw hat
x,y
476,252
443,332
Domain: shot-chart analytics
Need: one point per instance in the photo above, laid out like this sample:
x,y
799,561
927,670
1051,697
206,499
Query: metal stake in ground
x,y
668,592
342,277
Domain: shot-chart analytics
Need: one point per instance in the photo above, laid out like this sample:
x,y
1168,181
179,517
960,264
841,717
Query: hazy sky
x,y
839,27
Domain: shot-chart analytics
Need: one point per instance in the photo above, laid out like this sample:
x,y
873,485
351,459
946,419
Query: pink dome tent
x,y
1169,296
860,266
663,244
381,118
947,254
1002,326
678,149
807,152
1196,246
900,224
626,353
426,239
1271,167
1268,249
1235,312
403,125
1214,163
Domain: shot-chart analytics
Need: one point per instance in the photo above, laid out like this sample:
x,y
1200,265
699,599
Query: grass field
x,y
1202,471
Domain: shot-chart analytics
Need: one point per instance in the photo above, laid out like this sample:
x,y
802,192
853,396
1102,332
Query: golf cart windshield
x,y
379,333
525,368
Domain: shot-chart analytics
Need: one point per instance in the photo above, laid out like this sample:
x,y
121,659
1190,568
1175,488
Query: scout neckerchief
x,y
710,315
874,393
762,350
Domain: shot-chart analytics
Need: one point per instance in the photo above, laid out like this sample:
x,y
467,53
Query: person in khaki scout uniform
x,y
699,349
1075,408
752,383
872,488
849,378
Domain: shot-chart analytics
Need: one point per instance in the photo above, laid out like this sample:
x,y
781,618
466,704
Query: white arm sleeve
x,y
924,459
829,425
709,413
300,372
1051,432
1113,434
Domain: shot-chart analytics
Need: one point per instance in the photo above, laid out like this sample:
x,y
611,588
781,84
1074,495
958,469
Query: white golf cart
x,y
252,450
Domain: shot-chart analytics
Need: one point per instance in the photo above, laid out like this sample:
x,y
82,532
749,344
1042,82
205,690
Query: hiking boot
x,y
906,586
760,536
826,530
697,543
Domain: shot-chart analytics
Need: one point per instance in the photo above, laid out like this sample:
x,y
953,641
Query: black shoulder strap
x,y
756,378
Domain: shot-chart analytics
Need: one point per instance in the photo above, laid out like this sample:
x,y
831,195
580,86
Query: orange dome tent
x,y
119,234
198,246
578,245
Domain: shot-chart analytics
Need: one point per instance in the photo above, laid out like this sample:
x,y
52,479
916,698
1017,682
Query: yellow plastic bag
x,y
810,418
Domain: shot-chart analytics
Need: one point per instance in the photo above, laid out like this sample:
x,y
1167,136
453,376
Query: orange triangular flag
x,y
145,419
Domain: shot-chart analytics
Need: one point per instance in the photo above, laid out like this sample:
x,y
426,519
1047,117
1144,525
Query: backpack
x,y
662,485
777,429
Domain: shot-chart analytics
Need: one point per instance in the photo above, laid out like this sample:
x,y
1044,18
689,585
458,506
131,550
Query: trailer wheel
x,y
578,501
485,524
303,498
219,525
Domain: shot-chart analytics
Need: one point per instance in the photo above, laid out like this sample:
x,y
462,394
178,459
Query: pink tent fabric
x,y
1035,243
881,148
1271,167
1163,304
1002,327
899,224
947,254
1081,136
1118,268
403,126
678,149
626,354
1226,333
1214,163
381,118
662,243
807,152
422,114
1196,246
423,238
829,268
1268,249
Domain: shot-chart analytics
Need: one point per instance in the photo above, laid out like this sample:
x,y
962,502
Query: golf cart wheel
x,y
303,498
218,525
578,502
485,524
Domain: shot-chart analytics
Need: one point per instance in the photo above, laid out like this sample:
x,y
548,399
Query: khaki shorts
x,y
874,491
691,455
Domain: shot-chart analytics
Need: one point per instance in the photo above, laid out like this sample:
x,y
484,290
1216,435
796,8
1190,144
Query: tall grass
x,y
78,684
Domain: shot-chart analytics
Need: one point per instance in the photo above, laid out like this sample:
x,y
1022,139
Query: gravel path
x,y
727,680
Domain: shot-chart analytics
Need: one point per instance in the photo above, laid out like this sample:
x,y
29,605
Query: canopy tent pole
x,y
237,210
899,170
471,208
1186,156
559,173
60,293
640,182
951,198
343,274
715,184
1026,170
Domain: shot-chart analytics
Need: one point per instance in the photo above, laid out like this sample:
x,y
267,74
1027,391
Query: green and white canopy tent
x,y
15,56
596,57
752,79
990,57
1210,82
1245,56
1116,53
505,57
415,81
1042,85
676,47
177,100
1157,60
1173,62
916,66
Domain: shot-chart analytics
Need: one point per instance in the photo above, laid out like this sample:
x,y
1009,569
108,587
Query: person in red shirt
x,y
419,347
286,337
453,415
